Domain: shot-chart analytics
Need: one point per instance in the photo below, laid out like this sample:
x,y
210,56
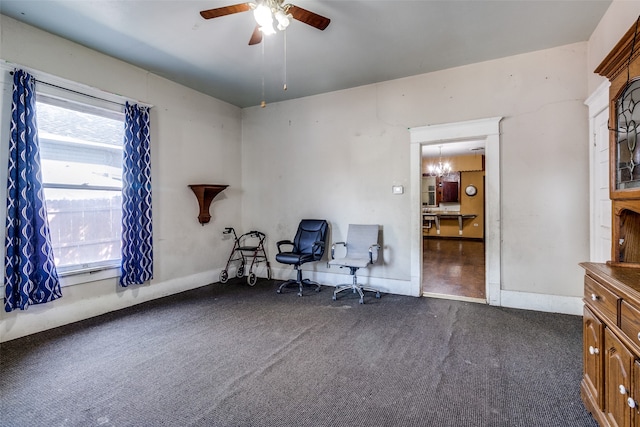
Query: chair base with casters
x,y
361,250
299,282
355,286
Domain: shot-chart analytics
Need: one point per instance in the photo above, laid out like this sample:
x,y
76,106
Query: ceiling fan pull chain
x,y
263,103
285,59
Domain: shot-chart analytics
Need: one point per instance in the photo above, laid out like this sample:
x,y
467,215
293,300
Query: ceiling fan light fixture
x,y
283,20
262,15
265,12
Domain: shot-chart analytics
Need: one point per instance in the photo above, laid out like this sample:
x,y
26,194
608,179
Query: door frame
x,y
483,129
598,103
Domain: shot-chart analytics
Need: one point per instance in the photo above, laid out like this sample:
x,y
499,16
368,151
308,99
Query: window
x,y
81,156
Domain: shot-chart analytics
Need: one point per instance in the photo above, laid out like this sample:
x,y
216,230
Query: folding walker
x,y
247,249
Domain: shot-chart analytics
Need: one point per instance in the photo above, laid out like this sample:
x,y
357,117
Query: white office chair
x,y
361,250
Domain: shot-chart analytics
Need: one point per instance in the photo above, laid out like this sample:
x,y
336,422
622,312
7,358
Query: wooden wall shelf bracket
x,y
205,193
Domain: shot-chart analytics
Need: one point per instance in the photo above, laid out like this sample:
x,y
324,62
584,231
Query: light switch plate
x,y
397,189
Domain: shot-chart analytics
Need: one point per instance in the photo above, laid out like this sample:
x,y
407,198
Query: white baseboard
x,y
502,298
542,302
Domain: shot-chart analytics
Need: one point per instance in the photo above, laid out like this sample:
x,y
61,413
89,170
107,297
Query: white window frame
x,y
78,100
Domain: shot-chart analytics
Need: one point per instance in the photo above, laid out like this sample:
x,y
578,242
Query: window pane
x,y
85,225
80,148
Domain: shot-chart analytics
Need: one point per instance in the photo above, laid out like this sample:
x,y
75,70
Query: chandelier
x,y
265,11
441,169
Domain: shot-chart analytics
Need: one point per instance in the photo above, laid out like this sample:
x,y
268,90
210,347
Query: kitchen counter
x,y
437,216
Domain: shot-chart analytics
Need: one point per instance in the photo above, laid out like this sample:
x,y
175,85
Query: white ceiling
x,y
366,42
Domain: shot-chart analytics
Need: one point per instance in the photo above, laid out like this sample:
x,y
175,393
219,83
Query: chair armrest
x,y
283,242
333,248
373,259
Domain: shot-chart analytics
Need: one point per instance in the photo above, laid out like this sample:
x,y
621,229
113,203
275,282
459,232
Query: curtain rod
x,y
11,67
74,91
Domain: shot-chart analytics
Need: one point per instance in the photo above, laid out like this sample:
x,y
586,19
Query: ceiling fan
x,y
264,11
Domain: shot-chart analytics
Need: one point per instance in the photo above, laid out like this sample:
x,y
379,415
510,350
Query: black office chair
x,y
307,246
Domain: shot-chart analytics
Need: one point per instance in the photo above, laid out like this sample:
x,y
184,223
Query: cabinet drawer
x,y
602,299
630,322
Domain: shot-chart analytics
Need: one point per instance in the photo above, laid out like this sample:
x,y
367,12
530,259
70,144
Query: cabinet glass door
x,y
627,151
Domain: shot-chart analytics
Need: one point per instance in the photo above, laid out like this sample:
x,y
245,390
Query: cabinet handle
x,y
638,336
594,297
631,402
594,350
623,389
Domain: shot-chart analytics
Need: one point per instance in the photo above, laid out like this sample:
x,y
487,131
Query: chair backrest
x,y
359,238
309,232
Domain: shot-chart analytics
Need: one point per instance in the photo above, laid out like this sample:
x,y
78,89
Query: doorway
x,y
453,249
487,130
454,268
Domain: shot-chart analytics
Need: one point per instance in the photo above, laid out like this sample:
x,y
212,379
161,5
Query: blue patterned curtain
x,y
30,272
137,242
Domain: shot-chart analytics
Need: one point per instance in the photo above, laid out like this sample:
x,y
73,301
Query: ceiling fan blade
x,y
308,17
256,37
226,10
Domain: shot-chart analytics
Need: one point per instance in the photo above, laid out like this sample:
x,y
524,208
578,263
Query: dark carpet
x,y
234,355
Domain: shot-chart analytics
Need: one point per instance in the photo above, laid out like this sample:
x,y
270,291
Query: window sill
x,y
71,278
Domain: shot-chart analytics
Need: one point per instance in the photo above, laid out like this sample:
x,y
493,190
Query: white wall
x,y
195,140
328,157
336,156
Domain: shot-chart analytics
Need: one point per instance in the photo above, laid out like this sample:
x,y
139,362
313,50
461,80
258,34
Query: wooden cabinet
x,y
610,385
622,68
449,191
448,188
636,392
592,356
619,362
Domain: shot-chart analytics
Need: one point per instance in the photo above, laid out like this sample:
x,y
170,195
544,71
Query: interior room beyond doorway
x,y
452,212
454,268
